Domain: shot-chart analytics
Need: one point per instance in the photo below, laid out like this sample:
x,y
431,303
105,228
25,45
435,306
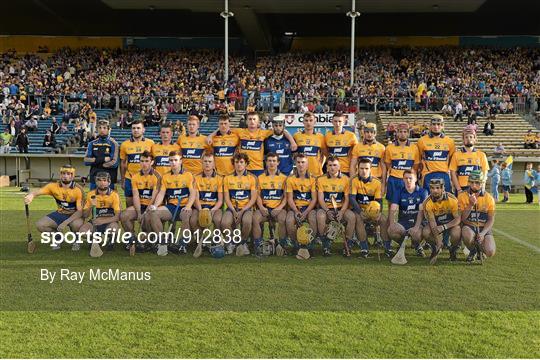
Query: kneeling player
x,y
69,198
145,185
333,199
366,200
240,193
178,191
441,212
302,199
107,209
478,215
407,203
270,203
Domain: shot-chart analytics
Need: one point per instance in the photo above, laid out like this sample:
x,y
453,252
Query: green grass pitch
x,y
277,307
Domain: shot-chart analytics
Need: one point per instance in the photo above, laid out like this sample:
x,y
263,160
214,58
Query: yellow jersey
x,y
208,188
177,186
478,216
68,199
161,156
337,187
529,138
302,189
443,210
366,190
463,162
373,152
146,185
224,146
435,152
107,205
272,189
313,146
341,145
240,188
252,144
131,151
400,158
192,148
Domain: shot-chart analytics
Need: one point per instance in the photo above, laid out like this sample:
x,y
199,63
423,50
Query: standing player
x,y
178,192
192,146
466,160
278,144
302,199
340,143
69,198
224,144
334,185
130,153
102,155
366,201
161,151
442,214
435,151
240,192
145,185
107,203
373,150
270,202
399,156
209,187
311,144
408,205
478,215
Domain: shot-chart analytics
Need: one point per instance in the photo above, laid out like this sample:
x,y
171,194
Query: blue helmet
x,y
217,252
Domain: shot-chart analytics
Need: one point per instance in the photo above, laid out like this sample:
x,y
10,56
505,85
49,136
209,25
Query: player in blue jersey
x,y
278,144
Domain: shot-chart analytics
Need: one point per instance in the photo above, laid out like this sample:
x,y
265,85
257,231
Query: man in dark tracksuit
x,y
102,155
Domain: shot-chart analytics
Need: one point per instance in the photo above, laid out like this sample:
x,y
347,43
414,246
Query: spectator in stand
x,y
499,150
21,141
458,111
529,140
447,110
489,128
391,131
506,178
528,181
49,140
31,124
5,141
54,126
495,174
63,128
129,120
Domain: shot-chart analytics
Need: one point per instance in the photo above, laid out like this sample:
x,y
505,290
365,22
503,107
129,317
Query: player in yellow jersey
x,y
466,160
69,199
130,152
271,202
160,151
224,145
252,142
442,214
399,156
209,187
301,190
192,146
340,142
435,151
107,204
477,215
312,144
145,184
335,185
370,148
179,194
366,192
240,193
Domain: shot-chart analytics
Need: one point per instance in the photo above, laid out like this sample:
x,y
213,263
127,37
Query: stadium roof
x,y
262,22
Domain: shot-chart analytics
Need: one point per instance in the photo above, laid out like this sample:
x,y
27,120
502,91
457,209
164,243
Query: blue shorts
x,y
393,188
437,175
93,186
206,206
172,208
101,228
407,224
257,173
57,217
143,208
128,190
507,187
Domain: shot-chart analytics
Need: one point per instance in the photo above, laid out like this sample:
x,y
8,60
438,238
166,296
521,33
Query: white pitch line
x,y
519,241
